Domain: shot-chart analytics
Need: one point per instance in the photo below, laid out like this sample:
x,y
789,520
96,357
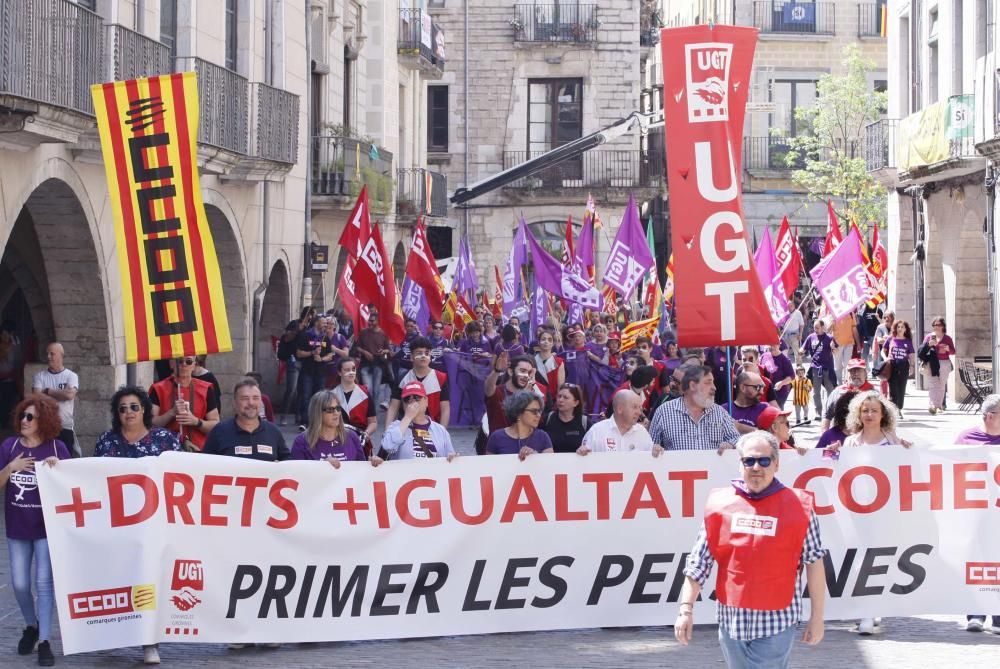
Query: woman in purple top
x,y
510,342
475,342
937,385
523,411
779,367
490,330
327,437
597,350
37,418
899,350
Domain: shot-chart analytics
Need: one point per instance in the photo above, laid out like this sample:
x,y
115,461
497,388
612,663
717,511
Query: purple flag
x,y
630,257
561,281
539,310
512,270
466,281
841,278
583,254
466,376
413,302
770,279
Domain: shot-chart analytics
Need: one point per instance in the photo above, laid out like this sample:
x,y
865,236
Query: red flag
x,y
346,292
375,284
567,256
879,264
861,242
422,269
833,235
789,260
360,217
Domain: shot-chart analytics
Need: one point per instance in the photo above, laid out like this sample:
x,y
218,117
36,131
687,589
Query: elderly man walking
x,y
762,534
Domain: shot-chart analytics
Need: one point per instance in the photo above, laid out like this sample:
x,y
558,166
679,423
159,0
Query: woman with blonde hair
x,y
871,421
327,438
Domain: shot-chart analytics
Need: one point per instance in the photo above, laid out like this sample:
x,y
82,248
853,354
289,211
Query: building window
x,y
168,25
231,41
788,95
437,119
555,113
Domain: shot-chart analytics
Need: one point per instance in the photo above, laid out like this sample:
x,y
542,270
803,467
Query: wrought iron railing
x,y
51,51
341,165
870,19
555,23
223,105
133,55
599,168
778,16
880,144
421,192
768,153
275,124
417,35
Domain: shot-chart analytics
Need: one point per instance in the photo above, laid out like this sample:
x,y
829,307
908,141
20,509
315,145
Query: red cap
x,y
615,335
414,388
767,416
856,363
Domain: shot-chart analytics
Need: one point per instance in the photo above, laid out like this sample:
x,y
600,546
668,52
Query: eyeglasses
x,y
764,462
411,398
24,415
536,411
333,410
759,386
125,408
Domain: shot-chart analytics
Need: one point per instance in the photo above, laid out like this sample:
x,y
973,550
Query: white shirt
x,y
64,380
605,437
794,323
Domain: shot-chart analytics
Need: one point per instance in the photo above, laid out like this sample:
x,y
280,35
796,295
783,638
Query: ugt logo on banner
x,y
708,81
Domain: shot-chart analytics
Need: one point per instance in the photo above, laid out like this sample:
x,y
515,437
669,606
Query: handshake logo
x,y
188,580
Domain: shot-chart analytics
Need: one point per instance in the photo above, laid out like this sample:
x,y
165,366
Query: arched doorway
x,y
230,367
53,287
399,263
275,312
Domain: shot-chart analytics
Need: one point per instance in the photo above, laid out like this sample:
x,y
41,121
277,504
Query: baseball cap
x,y
413,388
856,363
767,416
615,335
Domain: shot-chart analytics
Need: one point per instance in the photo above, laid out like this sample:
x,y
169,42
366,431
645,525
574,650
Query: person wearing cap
x,y
775,421
415,435
747,404
435,383
857,380
615,349
758,584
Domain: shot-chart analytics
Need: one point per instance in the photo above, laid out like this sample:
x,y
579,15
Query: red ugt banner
x,y
706,77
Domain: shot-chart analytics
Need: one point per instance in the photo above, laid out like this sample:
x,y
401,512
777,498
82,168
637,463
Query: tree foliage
x,y
829,147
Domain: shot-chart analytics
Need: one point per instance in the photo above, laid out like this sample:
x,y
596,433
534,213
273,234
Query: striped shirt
x,y
675,429
801,387
749,624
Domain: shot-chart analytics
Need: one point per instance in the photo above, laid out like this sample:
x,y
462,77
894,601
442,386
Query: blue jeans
x,y
21,552
371,376
291,386
769,652
310,382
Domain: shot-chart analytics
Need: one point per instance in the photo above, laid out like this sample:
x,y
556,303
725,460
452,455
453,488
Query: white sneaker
x,y
151,654
974,625
866,626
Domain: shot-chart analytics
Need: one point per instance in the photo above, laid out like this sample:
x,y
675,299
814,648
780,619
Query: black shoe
x,y
28,639
45,656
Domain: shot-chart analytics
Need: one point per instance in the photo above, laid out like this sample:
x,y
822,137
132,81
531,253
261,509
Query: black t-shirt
x,y
566,437
209,377
265,443
286,349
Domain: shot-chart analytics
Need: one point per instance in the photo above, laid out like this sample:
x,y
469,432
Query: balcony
x,y
342,165
598,168
548,24
938,142
274,134
133,55
51,51
778,17
420,192
421,43
768,153
880,145
870,19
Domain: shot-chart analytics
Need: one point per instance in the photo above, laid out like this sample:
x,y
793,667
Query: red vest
x,y
357,407
758,544
166,395
433,384
550,370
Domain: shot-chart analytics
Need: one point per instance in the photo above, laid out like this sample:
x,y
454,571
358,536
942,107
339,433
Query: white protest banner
x,y
189,547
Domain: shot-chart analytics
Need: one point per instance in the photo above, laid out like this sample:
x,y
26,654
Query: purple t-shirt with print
x,y
349,449
501,443
22,503
481,347
899,349
748,415
977,435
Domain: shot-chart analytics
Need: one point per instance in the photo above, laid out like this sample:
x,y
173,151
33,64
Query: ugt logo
x,y
189,578
707,81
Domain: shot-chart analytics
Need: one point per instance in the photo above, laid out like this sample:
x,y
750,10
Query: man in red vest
x,y
762,534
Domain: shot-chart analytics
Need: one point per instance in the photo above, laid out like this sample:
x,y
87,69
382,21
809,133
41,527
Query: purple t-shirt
x,y
513,349
819,347
831,436
481,347
600,350
748,415
501,443
22,503
349,449
976,436
899,349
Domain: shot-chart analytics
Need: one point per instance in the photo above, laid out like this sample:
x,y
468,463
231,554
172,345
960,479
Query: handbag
x,y
883,369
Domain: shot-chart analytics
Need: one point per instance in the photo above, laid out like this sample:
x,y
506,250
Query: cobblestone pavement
x,y
933,641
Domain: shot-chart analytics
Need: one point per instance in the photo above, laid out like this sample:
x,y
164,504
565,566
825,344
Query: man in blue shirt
x,y
246,435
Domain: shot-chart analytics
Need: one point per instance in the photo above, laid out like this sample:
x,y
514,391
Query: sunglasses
x,y
24,415
764,462
333,410
124,408
412,398
188,361
759,386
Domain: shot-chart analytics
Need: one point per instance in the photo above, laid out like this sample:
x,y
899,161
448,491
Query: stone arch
x,y
230,367
399,262
53,260
275,312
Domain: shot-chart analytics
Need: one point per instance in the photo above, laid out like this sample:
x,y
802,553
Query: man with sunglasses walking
x,y
186,406
763,535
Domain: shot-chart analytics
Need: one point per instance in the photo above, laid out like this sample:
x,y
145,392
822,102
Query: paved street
x,y
938,641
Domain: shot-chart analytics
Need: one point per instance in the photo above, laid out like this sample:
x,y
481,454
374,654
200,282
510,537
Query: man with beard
x,y
693,422
245,435
857,379
497,386
747,404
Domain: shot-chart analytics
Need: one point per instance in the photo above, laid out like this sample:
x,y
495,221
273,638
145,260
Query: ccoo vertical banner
x,y
171,285
705,95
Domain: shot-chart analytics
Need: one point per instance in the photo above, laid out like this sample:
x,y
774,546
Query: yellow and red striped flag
x,y
171,283
636,329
